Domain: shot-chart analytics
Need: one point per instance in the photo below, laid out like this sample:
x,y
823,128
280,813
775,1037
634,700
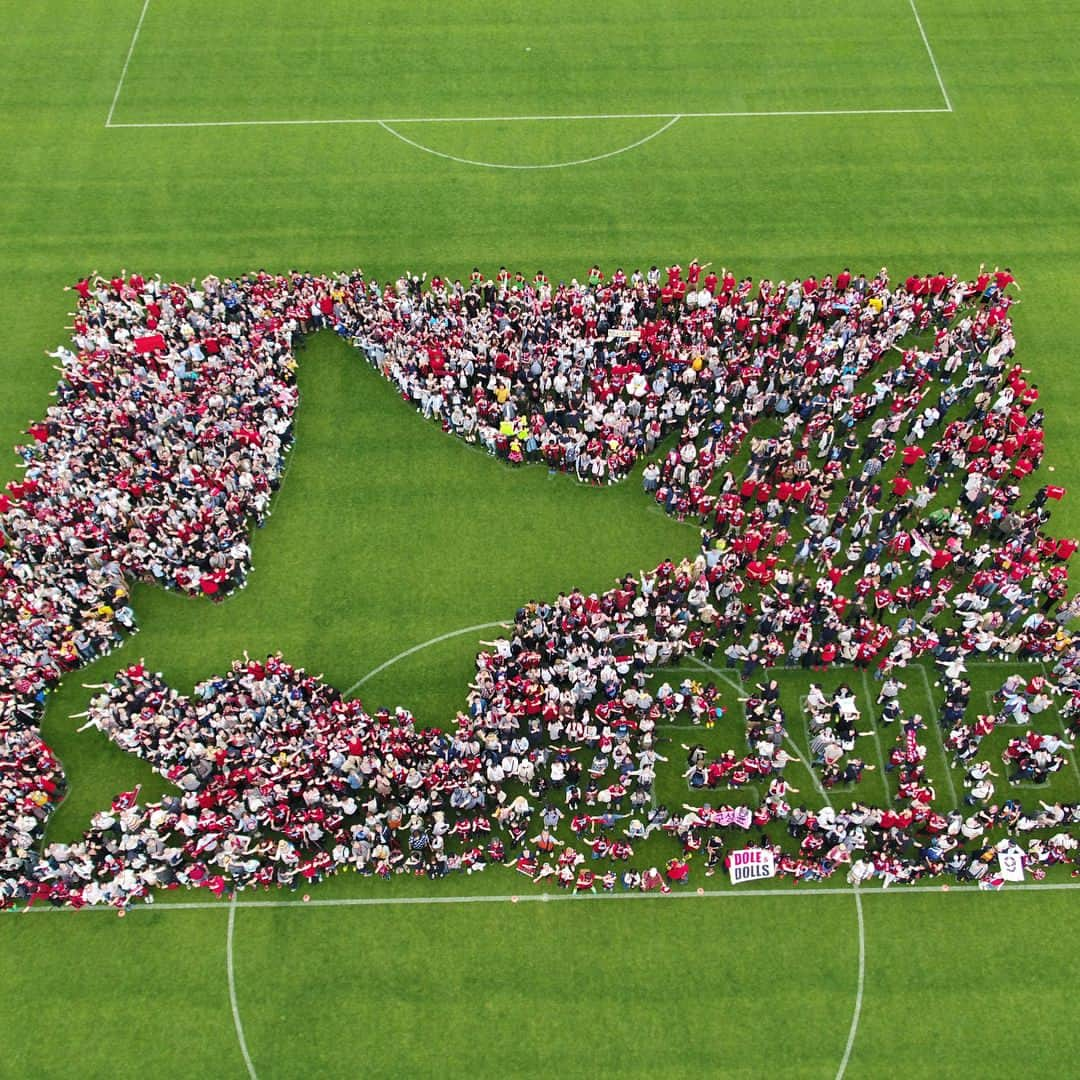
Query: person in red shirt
x,y
912,454
586,881
982,283
1004,278
82,287
678,871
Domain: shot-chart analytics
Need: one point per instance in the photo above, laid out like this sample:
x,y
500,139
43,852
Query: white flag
x,y
1011,864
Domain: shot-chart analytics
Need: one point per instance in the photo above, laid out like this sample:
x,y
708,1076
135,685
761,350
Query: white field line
x,y
936,720
718,673
1064,727
1012,662
232,992
857,1011
549,165
417,648
872,717
1072,753
804,758
1064,731
930,53
526,898
749,789
809,766
677,670
400,120
804,724
127,60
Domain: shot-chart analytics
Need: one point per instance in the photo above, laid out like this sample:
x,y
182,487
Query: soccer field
x,y
194,138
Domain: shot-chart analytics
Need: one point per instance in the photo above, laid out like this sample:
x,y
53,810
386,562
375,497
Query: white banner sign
x,y
751,864
735,815
1011,864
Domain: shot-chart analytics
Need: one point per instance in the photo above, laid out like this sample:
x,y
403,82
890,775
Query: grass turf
x,y
382,520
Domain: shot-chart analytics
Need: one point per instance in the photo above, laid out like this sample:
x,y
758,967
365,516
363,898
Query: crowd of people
x,y
874,518
833,727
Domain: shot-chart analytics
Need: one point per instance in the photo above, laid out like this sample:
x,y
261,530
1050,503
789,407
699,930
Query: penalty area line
x,y
930,53
127,61
400,120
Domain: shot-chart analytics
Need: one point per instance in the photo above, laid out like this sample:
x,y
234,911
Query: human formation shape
x,y
852,448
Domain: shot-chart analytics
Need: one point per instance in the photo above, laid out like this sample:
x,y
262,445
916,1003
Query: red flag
x,y
150,343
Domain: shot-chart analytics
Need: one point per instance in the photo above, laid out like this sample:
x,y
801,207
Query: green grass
x,y
387,533
431,60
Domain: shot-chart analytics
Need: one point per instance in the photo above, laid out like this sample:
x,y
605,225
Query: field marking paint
x,y
1072,753
1061,721
738,686
237,1023
804,725
930,53
544,897
389,124
417,648
1010,662
809,766
937,731
803,757
859,986
127,61
872,717
989,694
749,789
675,671
550,165
525,898
400,120
860,982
